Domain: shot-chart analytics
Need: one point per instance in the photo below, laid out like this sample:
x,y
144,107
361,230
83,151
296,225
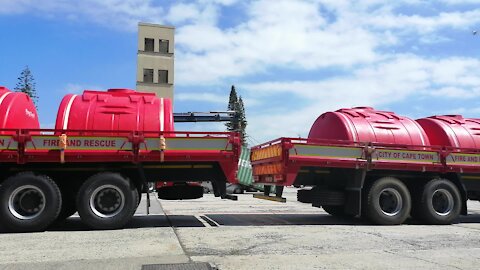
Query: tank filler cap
x,y
363,108
121,90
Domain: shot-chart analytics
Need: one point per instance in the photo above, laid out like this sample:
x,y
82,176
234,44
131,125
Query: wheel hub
x,y
390,202
442,202
107,201
26,202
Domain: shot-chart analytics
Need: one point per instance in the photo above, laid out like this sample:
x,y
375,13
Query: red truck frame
x,y
385,183
47,175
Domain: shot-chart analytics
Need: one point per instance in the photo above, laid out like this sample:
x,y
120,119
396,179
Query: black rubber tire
x,y
180,192
304,195
335,210
69,207
116,221
52,204
425,211
321,196
372,208
69,204
139,199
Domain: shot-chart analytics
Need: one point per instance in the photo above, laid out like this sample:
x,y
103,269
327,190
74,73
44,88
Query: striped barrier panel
x,y
267,152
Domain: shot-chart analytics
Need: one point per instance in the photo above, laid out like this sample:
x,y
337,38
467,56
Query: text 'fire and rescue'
x,y
82,143
462,158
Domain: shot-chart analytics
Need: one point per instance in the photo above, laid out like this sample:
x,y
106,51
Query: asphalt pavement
x,y
247,234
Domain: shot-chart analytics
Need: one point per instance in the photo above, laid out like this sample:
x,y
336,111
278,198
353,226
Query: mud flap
x,y
353,196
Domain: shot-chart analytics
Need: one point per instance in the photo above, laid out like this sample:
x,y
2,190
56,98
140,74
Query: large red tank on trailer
x,y
17,111
452,130
365,124
115,109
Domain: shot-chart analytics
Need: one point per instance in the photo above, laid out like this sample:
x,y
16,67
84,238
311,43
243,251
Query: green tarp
x,y
244,175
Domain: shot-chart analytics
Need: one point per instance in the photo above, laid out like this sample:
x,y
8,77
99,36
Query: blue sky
x,y
290,60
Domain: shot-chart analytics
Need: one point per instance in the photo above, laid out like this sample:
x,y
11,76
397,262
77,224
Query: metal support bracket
x,y
141,172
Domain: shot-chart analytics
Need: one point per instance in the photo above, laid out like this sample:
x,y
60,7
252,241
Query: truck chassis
x,y
48,175
385,183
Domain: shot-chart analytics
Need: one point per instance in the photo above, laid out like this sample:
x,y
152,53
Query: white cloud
x,y
396,79
425,24
460,2
456,92
357,38
270,36
202,97
74,88
182,12
122,15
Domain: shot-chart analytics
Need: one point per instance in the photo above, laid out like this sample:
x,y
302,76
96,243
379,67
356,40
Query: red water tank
x,y
365,124
17,111
116,109
452,130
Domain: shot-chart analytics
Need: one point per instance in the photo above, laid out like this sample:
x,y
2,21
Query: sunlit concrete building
x,y
155,59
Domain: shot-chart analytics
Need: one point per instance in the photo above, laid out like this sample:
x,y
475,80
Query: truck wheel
x,y
139,199
29,202
388,202
107,201
335,210
440,202
69,205
69,208
304,195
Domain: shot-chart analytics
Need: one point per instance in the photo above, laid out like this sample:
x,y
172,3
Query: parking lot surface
x,y
247,234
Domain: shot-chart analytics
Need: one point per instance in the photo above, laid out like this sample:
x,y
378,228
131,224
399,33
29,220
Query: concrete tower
x,y
155,59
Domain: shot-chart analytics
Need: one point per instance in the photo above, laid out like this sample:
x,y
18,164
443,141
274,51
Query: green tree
x,y
242,120
26,84
239,123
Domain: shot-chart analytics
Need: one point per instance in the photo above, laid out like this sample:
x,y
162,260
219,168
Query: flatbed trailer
x,y
385,183
47,175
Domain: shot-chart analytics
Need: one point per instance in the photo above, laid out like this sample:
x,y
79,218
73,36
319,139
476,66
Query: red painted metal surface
x,y
127,147
365,124
365,138
116,109
452,130
17,111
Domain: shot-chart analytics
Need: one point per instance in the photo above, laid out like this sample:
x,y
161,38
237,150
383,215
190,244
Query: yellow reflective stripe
x,y
187,144
463,159
326,151
192,166
7,143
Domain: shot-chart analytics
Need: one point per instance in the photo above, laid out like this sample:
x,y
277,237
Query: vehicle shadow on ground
x,y
182,221
189,221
